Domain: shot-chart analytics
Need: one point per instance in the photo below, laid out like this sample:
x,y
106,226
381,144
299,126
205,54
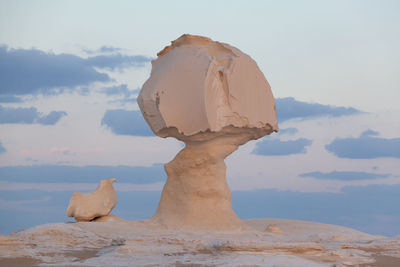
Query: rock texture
x,y
198,85
138,243
86,207
214,98
273,228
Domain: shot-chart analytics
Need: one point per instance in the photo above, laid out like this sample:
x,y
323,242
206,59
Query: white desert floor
x,y
139,243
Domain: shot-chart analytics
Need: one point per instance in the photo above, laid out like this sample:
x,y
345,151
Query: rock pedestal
x,y
196,194
214,98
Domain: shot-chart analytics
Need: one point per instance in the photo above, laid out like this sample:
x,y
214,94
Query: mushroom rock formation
x,y
86,207
213,97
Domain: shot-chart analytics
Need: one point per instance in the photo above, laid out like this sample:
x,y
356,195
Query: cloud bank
x,y
344,176
2,149
290,108
103,49
365,208
32,71
126,122
276,147
10,99
365,147
117,61
82,174
288,131
29,116
121,89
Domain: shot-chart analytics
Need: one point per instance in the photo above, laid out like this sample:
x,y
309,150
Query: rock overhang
x,y
198,87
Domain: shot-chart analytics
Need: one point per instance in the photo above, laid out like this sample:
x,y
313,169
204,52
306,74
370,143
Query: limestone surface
x,y
88,206
214,98
139,243
198,85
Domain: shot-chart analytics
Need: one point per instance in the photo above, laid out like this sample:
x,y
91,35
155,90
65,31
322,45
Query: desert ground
x,y
266,242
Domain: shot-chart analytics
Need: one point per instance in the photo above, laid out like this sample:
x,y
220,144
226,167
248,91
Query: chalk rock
x,y
88,206
273,228
139,243
108,218
198,85
214,98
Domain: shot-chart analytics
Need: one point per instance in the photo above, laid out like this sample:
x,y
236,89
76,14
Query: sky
x,y
70,73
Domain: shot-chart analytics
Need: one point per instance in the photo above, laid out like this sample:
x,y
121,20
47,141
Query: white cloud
x,y
246,171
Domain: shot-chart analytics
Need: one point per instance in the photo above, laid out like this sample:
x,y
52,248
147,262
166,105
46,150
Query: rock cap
x,y
200,86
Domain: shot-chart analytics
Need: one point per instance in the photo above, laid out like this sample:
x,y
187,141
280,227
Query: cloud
x,y
373,209
103,49
117,61
121,89
128,96
2,149
370,132
32,207
34,210
62,187
10,99
61,150
345,176
289,108
52,118
129,100
29,116
126,122
82,174
288,131
32,71
20,205
365,147
276,147
31,159
108,49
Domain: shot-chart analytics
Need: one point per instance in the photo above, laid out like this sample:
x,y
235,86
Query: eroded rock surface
x,y
273,228
214,98
88,206
123,243
198,85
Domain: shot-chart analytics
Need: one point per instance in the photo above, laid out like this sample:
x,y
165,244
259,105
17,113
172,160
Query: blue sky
x,y
70,73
